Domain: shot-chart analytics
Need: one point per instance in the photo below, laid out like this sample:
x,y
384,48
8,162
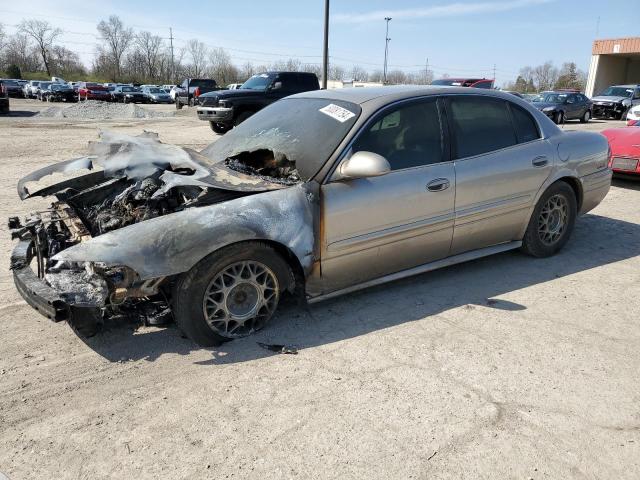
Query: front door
x,y
380,225
501,162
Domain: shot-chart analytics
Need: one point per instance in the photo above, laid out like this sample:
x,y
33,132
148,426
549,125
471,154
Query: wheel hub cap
x,y
553,219
240,298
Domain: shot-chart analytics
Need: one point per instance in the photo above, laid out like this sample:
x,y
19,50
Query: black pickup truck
x,y
190,89
227,108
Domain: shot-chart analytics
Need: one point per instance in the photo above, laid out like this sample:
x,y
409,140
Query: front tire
x,y
552,221
558,118
241,118
231,293
219,128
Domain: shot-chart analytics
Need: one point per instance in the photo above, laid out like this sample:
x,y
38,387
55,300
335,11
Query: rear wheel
x,y
231,293
552,221
586,117
178,104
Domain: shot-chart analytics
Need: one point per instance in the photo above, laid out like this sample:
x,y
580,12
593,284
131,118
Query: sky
x,y
458,38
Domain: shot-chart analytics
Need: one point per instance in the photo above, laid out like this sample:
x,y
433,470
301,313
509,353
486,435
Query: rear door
x,y
380,225
501,162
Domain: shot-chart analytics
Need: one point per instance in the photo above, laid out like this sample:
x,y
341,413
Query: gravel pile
x,y
94,109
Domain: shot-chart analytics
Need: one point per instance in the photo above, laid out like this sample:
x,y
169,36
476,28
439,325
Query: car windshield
x,y
44,84
302,132
127,89
35,83
550,98
258,82
155,90
55,86
617,92
11,83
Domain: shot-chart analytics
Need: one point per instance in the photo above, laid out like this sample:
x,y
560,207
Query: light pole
x,y
325,52
386,51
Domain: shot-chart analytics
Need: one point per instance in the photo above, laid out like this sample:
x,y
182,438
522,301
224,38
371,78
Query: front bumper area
x,y
604,110
216,114
33,289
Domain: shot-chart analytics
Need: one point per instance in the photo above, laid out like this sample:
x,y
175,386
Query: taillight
x,y
196,92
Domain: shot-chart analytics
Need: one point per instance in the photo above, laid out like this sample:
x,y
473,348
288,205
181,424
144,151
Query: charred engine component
x,y
272,166
131,205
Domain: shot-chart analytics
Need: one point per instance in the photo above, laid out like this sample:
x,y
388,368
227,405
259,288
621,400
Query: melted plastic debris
x,y
266,164
79,287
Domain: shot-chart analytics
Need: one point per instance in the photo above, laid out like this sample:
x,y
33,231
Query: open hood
x,y
140,157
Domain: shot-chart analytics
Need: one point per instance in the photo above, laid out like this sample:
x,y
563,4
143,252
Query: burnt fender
x,y
174,243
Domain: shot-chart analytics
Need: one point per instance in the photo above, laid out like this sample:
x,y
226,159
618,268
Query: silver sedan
x,y
319,194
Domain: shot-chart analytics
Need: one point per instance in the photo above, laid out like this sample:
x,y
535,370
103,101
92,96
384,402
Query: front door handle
x,y
540,161
438,185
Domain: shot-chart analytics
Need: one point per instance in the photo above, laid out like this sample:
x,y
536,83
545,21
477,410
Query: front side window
x,y
408,136
480,125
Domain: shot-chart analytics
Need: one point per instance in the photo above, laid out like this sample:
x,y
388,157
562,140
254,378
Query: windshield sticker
x,y
337,112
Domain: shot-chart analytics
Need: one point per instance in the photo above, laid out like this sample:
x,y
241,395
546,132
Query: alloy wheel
x,y
552,220
240,298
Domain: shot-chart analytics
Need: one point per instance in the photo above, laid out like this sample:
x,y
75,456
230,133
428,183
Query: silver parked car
x,y
156,95
318,195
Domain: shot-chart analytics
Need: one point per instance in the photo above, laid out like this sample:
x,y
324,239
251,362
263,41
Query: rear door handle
x,y
438,185
540,161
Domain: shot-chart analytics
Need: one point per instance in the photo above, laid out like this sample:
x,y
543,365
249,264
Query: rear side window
x,y
480,125
526,128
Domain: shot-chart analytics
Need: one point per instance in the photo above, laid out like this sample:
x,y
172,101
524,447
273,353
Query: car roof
x,y
394,93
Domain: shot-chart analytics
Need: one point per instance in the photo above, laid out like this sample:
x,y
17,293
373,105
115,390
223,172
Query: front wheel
x,y
231,293
241,118
558,118
219,128
178,104
552,221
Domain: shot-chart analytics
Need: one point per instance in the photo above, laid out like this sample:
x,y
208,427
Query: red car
x,y
625,149
93,91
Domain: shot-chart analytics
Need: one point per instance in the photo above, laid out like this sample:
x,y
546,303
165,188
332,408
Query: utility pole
x,y
325,49
426,72
386,51
173,66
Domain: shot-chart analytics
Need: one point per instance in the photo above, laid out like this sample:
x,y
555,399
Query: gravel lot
x,y
506,367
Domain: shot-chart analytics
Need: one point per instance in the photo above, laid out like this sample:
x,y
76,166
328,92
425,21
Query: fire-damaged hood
x,y
607,98
140,157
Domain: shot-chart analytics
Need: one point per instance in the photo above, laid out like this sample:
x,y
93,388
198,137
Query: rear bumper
x,y
595,187
33,289
216,114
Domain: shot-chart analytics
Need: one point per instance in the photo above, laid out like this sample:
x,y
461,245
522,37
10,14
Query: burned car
x,y
319,194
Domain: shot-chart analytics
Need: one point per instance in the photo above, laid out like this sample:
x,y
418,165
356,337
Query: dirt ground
x,y
506,367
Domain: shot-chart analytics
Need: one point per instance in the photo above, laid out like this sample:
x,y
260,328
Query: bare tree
x,y
376,76
336,72
43,34
66,61
20,51
247,70
221,67
117,38
396,77
198,53
149,46
545,76
359,74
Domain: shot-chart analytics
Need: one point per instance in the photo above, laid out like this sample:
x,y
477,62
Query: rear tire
x,y
586,117
178,104
551,222
231,293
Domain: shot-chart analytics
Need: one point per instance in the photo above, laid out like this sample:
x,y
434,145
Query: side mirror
x,y
363,165
276,86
